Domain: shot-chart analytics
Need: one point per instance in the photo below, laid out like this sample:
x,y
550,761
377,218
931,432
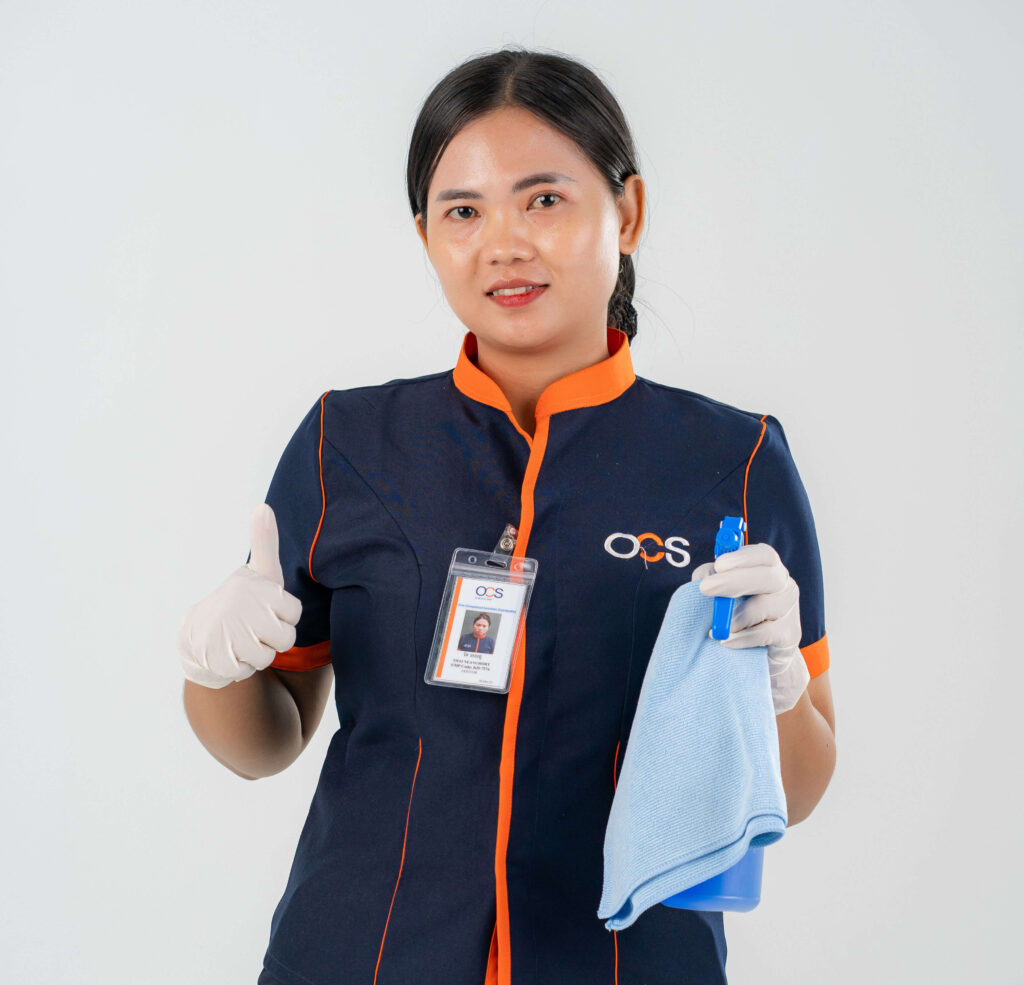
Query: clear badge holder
x,y
481,620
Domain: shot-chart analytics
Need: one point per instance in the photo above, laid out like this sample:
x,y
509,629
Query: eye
x,y
548,195
460,208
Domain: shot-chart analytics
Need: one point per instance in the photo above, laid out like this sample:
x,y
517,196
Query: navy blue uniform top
x,y
482,644
456,836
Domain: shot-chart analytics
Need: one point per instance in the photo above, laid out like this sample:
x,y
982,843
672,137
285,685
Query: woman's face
x,y
565,231
480,627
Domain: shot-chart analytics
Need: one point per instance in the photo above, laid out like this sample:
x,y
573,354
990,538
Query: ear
x,y
421,232
631,205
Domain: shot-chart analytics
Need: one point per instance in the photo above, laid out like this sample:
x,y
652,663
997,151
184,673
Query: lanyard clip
x,y
507,542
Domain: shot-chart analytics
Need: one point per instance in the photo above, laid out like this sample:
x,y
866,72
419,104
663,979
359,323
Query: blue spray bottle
x,y
738,887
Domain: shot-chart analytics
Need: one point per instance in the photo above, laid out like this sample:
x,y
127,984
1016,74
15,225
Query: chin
x,y
518,332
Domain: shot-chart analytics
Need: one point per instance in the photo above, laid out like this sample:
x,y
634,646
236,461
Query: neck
x,y
524,375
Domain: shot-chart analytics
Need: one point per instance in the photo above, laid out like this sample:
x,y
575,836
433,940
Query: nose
x,y
507,236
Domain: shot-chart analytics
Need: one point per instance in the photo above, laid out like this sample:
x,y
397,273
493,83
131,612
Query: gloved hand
x,y
243,624
768,615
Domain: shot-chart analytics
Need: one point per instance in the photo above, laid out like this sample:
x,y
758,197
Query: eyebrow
x,y
544,178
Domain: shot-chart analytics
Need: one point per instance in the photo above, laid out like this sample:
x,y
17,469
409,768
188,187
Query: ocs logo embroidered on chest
x,y
673,551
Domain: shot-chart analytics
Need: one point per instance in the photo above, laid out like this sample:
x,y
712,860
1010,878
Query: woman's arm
x,y
807,748
258,726
310,689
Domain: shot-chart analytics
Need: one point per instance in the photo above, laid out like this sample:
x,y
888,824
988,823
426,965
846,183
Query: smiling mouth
x,y
513,291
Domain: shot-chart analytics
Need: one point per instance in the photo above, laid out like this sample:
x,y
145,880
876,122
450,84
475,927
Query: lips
x,y
525,296
504,285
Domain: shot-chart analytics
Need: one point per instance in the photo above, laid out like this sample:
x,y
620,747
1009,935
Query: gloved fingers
x,y
243,648
258,638
758,635
284,639
769,634
209,652
246,670
761,579
238,629
274,632
250,585
747,556
192,663
703,570
291,609
199,674
751,610
286,607
781,632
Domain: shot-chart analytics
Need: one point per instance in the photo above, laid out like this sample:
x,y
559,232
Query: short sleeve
x,y
778,513
298,499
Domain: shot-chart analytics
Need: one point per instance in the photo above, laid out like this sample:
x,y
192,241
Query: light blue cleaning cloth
x,y
701,780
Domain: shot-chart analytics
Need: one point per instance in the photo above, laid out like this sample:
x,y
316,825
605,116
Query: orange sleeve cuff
x,y
304,657
816,656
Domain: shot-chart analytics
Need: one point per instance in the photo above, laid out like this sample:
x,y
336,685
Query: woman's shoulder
x,y
732,429
691,401
369,407
689,410
402,387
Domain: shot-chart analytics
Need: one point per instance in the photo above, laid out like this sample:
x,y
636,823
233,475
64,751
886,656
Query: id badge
x,y
481,620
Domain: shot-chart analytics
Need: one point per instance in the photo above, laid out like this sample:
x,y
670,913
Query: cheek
x,y
451,260
586,250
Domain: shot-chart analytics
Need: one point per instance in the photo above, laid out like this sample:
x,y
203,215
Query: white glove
x,y
767,613
241,626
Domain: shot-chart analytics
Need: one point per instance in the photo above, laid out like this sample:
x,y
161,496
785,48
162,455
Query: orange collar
x,y
587,387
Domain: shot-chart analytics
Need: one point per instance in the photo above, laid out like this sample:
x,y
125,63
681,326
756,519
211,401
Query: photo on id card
x,y
477,631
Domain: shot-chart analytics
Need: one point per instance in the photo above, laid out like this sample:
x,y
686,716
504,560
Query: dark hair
x,y
483,615
564,93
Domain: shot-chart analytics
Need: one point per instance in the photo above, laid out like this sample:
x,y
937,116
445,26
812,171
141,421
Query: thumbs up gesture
x,y
243,624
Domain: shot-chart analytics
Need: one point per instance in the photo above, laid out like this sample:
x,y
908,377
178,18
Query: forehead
x,y
491,152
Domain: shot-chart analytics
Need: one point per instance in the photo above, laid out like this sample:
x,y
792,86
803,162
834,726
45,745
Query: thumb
x,y
263,557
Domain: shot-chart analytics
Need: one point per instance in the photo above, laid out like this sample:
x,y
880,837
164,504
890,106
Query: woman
x,y
456,835
478,641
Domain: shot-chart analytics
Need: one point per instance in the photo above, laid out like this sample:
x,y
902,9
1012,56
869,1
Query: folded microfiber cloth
x,y
701,780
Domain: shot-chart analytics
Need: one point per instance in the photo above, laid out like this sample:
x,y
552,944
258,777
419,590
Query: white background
x,y
204,225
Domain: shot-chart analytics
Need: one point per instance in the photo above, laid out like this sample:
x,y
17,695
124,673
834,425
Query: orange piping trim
x,y
615,941
816,656
506,769
588,387
615,786
304,657
400,864
746,475
491,977
323,495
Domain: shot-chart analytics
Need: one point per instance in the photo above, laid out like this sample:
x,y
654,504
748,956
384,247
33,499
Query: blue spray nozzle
x,y
729,538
